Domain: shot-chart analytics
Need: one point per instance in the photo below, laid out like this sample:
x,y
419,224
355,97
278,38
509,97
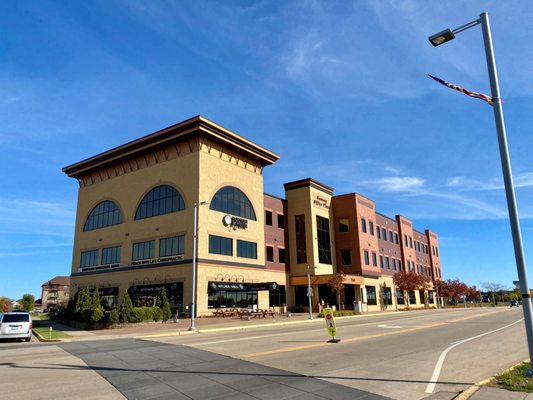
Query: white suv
x,y
15,325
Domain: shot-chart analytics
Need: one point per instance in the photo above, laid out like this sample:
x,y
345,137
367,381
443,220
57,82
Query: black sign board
x,y
236,286
110,291
173,288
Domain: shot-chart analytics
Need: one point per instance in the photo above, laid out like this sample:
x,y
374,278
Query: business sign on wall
x,y
320,201
235,222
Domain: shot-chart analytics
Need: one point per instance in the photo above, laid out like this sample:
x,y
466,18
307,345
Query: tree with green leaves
x,y
126,309
27,302
164,304
4,304
97,312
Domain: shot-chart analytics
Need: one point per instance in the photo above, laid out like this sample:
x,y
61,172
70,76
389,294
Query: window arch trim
x,y
105,213
159,200
232,200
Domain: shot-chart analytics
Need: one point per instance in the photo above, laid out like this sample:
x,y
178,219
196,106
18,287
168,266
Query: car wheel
x,y
28,339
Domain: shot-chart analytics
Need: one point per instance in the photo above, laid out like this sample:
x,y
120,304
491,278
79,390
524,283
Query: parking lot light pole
x,y
194,251
443,37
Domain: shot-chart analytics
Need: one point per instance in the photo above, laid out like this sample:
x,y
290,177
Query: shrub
x,y
164,305
126,309
158,313
96,310
113,317
143,314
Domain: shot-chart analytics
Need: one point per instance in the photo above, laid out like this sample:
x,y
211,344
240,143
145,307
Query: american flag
x,y
477,95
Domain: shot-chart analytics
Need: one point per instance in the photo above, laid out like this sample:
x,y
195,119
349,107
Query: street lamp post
x,y
309,292
194,251
443,37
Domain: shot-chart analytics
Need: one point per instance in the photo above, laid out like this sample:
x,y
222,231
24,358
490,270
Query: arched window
x,y
233,201
160,200
104,214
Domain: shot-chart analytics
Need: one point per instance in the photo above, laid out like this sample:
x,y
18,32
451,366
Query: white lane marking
x,y
436,372
340,324
390,326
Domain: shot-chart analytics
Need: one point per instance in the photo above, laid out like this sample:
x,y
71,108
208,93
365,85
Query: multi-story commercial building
x,y
135,228
55,293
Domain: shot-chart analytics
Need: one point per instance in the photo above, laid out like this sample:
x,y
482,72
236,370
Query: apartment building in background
x,y
55,293
135,217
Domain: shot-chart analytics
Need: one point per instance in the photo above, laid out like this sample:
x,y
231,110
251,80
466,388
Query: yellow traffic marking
x,y
358,339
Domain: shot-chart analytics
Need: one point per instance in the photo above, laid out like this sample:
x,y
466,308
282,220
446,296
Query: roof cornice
x,y
196,126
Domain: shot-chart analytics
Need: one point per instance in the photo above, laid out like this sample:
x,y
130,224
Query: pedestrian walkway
x,y
202,324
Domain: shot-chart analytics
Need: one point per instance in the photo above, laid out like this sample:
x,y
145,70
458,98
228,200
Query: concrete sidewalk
x,y
203,325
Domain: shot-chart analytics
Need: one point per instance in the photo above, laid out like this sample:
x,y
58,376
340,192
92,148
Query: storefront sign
x,y
233,286
158,260
170,288
236,286
110,291
319,201
235,222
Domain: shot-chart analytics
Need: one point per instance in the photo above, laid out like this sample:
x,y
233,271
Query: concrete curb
x,y
255,326
465,395
41,338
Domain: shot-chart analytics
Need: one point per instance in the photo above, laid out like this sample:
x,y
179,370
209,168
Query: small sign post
x,y
330,324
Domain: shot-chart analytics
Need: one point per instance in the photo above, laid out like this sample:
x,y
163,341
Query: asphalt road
x,y
392,355
410,355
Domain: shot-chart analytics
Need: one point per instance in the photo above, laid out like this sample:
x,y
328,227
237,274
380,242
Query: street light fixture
x,y
441,38
194,251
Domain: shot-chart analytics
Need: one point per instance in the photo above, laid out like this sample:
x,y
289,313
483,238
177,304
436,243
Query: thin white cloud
x,y
400,184
464,184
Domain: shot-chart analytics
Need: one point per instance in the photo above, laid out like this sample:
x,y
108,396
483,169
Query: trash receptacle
x,y
357,306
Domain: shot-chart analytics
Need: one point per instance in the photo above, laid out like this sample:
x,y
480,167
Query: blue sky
x,y
337,88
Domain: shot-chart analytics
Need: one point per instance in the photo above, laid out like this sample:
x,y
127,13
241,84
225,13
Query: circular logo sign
x,y
227,220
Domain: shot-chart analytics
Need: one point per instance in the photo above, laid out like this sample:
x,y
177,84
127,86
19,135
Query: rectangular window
x,y
281,221
378,231
143,250
371,227
89,258
437,251
399,265
391,237
220,245
405,240
363,225
171,246
387,295
371,295
431,297
270,253
381,261
268,218
346,257
248,249
387,263
396,238
394,264
383,233
344,225
281,256
374,259
367,259
399,296
301,247
111,255
277,296
323,239
410,242
412,297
